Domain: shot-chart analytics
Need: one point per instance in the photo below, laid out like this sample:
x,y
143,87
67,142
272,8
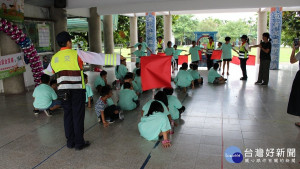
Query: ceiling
x,y
107,7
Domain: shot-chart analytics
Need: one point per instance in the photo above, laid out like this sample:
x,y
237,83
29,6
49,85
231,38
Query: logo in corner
x,y
233,154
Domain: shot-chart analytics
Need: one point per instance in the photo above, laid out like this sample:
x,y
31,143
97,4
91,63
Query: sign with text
x,y
11,65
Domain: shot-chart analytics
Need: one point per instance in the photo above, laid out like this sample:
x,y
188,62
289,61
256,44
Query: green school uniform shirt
x,y
195,74
146,107
151,126
88,92
126,97
170,51
139,54
99,81
121,72
134,85
134,70
174,105
110,102
212,74
183,78
177,53
43,95
226,51
144,46
194,53
138,82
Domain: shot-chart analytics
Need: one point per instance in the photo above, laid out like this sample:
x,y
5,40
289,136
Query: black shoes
x,y
257,83
85,145
264,84
243,78
36,112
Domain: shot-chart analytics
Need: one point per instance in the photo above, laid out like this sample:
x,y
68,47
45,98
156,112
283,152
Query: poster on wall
x,y
44,35
12,10
11,65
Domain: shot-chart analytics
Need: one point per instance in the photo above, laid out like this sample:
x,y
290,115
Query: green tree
x,y
122,33
184,27
290,27
80,37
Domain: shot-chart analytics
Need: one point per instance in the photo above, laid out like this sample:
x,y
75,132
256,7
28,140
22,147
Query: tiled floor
x,y
235,114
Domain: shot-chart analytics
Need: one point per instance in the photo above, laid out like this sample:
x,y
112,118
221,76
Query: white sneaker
x,y
121,115
48,113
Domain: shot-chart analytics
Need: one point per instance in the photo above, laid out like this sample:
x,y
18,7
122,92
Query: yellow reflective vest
x,y
65,64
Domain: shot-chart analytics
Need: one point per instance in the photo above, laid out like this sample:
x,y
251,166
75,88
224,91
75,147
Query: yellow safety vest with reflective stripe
x,y
65,64
243,53
159,44
210,48
110,59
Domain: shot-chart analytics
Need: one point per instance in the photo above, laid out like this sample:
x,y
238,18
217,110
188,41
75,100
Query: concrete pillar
x,y
95,41
59,15
275,34
133,35
151,31
108,34
261,28
14,84
167,29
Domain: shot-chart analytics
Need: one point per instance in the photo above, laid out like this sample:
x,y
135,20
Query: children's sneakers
x,y
48,112
121,115
36,112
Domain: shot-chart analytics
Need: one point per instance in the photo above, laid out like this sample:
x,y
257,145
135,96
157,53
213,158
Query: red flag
x,y
182,59
155,72
216,54
200,54
250,61
161,54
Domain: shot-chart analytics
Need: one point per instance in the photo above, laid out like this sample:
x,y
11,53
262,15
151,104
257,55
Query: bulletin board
x,y
40,35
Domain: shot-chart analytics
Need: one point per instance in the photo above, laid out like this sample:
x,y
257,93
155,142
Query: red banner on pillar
x,y
155,72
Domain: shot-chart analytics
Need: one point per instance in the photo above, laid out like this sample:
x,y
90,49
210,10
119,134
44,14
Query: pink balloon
x,y
20,31
13,37
1,28
3,21
11,29
9,24
36,80
5,31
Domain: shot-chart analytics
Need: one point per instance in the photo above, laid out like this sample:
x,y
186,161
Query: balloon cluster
x,y
28,48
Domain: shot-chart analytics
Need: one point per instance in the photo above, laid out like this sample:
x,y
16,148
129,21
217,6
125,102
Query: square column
x,y
275,35
151,31
133,35
167,29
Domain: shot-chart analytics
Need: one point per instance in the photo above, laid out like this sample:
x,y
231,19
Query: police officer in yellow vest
x,y
69,68
243,55
160,45
209,50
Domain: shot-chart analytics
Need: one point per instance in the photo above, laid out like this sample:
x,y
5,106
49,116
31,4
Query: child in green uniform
x,y
121,69
138,81
139,53
184,79
155,124
137,66
129,78
219,60
89,93
169,51
175,106
226,54
106,114
128,100
101,80
176,54
194,52
191,67
196,75
45,98
214,77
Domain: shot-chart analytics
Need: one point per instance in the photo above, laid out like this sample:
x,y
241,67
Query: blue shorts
x,y
54,103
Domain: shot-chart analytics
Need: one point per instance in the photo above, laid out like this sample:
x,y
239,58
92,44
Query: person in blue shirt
x,y
45,98
101,80
226,53
88,92
214,77
138,53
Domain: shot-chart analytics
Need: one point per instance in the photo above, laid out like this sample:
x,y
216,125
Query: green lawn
x,y
285,53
